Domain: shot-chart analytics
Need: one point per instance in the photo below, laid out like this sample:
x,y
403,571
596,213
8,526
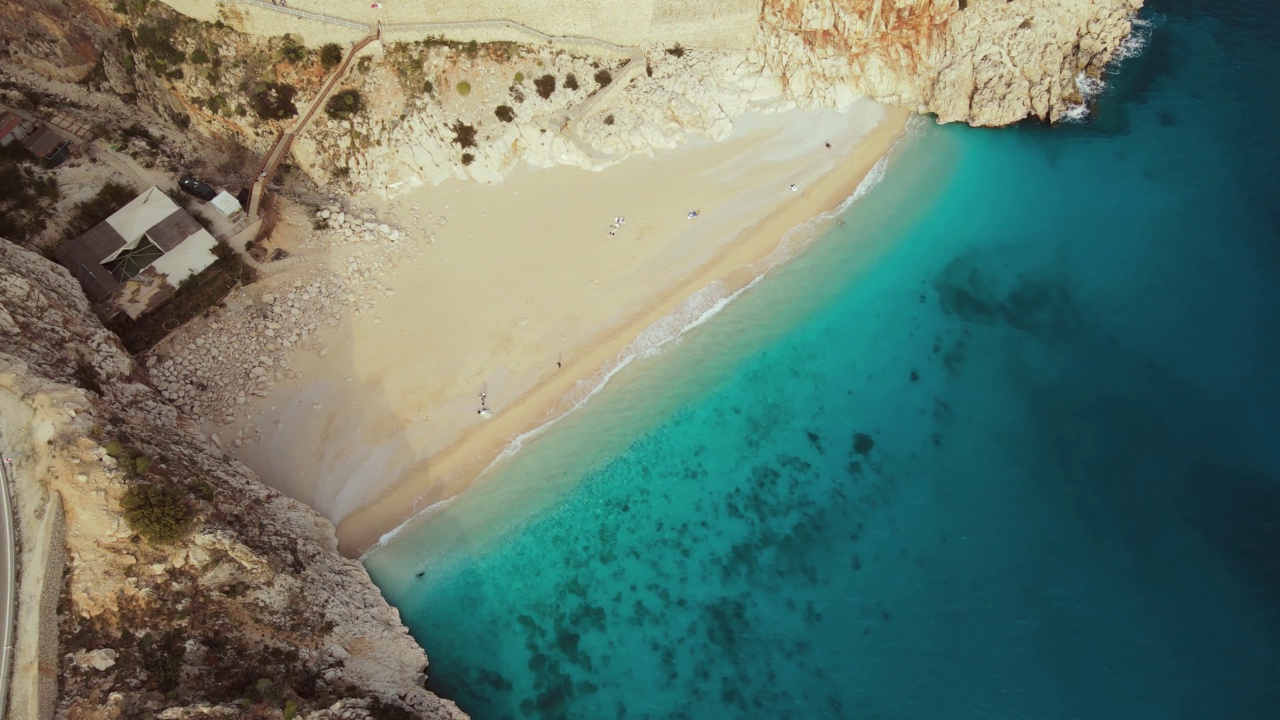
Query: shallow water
x,y
1000,447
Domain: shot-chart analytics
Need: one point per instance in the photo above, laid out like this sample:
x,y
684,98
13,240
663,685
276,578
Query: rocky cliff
x,y
251,612
985,62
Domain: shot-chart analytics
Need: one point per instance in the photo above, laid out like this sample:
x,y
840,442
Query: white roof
x,y
190,257
141,214
226,203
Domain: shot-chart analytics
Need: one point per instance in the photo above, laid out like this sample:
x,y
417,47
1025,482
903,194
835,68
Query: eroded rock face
x,y
994,62
254,606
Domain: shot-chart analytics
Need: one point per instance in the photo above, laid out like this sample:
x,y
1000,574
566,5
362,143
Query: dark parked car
x,y
194,187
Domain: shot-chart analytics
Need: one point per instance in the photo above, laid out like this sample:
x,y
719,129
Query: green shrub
x,y
364,63
468,158
292,50
159,513
464,87
519,77
330,55
603,77
199,57
344,104
505,113
545,85
273,101
141,464
428,87
571,81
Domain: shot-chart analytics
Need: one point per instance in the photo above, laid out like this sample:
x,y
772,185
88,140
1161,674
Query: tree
x,y
603,77
505,113
159,513
330,55
292,50
343,105
545,85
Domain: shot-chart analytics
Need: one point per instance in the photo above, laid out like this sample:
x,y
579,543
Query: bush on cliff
x,y
273,101
292,50
344,104
330,55
159,513
464,134
545,85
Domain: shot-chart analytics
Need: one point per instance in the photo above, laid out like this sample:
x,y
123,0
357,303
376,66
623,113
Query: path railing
x,y
9,611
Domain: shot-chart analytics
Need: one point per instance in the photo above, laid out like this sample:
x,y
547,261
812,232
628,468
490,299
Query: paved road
x,y
8,567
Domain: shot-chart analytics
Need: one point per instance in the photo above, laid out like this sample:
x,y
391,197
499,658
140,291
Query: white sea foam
x,y
1091,87
693,312
393,532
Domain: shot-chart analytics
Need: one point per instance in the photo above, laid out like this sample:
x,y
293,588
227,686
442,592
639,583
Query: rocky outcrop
x,y
985,62
252,614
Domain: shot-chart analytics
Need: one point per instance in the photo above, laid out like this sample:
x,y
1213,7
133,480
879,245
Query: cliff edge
x,y
249,612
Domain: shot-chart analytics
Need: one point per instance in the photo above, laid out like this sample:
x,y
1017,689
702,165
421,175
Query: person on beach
x,y
828,146
793,187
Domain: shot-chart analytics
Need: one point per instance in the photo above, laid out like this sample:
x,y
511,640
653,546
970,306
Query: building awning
x,y
227,204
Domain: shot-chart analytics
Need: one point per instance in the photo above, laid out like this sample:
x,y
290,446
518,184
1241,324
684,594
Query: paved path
x,y
8,569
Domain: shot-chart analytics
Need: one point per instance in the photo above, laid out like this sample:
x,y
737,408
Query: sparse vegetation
x,y
545,85
330,55
505,113
199,56
88,213
571,81
519,77
608,119
26,194
463,134
603,77
468,158
342,105
428,87
677,51
464,88
364,63
159,513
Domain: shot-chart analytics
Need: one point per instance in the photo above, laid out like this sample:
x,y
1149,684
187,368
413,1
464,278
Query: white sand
x,y
526,275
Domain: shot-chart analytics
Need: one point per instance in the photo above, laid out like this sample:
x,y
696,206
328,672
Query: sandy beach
x,y
531,296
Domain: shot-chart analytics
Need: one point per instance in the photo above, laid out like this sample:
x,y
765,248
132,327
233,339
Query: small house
x,y
135,260
229,206
47,145
13,128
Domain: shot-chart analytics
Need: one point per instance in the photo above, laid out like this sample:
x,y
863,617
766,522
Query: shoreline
x,y
734,267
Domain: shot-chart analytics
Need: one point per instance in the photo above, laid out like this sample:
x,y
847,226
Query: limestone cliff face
x,y
985,62
251,614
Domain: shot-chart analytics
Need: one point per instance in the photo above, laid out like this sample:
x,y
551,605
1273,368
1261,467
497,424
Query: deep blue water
x,y
1004,446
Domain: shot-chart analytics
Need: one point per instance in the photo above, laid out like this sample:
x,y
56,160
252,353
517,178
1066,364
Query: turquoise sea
x,y
1002,446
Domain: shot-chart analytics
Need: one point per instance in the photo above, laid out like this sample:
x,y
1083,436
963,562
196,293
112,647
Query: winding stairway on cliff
x,y
285,140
